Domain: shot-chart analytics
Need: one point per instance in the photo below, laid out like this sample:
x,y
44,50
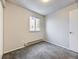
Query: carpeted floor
x,y
42,50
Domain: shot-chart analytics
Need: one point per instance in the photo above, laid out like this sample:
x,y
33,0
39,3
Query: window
x,y
34,24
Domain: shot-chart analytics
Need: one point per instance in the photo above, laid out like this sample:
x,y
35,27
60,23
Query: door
x,y
74,30
1,30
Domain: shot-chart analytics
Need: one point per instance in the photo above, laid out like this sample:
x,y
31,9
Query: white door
x,y
74,30
1,30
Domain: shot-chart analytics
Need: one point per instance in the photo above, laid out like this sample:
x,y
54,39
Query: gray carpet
x,y
42,50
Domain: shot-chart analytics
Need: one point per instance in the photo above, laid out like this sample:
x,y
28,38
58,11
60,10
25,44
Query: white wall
x,y
57,26
1,30
16,27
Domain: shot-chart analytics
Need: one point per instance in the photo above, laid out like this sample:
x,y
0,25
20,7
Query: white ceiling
x,y
43,8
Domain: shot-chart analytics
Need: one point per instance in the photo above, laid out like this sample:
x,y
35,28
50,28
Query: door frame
x,y
2,28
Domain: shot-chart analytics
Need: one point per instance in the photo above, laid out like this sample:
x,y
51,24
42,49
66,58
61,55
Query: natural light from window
x,y
34,24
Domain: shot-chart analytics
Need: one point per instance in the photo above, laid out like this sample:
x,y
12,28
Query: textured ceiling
x,y
43,8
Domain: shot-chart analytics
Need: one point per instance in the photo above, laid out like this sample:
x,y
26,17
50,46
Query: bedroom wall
x,y
57,26
16,27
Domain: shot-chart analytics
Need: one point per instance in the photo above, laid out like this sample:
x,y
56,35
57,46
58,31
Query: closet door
x,y
1,30
74,30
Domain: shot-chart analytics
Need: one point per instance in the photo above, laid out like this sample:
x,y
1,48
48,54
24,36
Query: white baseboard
x,y
62,47
13,50
34,42
25,44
